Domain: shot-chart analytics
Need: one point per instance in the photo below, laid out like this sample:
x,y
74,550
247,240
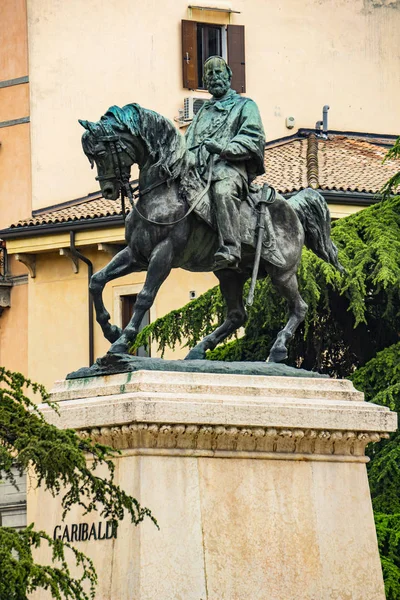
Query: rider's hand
x,y
213,147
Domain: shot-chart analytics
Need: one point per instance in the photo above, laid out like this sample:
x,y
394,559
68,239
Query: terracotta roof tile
x,y
338,163
343,163
89,209
286,166
353,165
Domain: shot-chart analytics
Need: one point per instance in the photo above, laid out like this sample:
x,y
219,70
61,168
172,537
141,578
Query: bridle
x,y
117,146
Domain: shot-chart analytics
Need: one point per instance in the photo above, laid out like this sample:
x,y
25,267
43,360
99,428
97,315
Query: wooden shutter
x,y
189,54
236,58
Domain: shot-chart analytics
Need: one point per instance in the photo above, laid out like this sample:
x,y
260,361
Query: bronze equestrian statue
x,y
199,210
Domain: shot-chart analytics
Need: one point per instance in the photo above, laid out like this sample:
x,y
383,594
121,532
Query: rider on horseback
x,y
161,230
228,126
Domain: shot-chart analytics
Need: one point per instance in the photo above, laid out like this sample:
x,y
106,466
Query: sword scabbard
x,y
260,234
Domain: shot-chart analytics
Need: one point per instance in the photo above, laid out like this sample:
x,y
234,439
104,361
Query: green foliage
x,y
58,460
20,575
388,532
379,379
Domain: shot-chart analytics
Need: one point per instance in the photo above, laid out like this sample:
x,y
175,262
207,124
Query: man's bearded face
x,y
216,78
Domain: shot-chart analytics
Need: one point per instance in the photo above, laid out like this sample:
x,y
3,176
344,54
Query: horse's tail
x,y
312,210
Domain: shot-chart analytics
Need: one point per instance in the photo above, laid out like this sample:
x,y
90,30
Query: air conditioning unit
x,y
191,107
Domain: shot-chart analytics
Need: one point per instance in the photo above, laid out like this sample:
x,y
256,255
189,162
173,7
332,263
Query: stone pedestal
x,y
259,486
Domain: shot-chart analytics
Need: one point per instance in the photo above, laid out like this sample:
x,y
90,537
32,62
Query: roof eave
x,y
54,228
343,197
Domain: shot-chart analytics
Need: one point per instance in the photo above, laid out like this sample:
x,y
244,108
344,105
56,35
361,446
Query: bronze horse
x,y
132,134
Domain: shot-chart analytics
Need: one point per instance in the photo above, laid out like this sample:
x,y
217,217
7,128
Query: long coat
x,y
235,123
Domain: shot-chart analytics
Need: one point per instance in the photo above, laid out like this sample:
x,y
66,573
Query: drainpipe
x,y
89,263
325,119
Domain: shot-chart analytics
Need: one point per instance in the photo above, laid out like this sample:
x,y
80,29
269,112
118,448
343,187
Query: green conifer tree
x,y
58,460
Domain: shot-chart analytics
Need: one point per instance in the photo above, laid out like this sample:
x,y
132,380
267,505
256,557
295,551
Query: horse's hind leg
x,y
286,283
122,264
159,268
231,284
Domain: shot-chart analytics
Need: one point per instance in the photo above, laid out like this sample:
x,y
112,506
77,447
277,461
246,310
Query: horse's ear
x,y
85,124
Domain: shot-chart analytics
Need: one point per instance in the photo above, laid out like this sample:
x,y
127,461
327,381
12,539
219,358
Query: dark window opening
x,y
209,43
127,306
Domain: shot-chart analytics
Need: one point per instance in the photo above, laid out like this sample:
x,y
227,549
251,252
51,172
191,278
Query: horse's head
x,y
113,152
128,135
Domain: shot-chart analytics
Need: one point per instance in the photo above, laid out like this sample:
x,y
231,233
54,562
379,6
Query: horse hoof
x,y
113,333
277,356
195,354
118,348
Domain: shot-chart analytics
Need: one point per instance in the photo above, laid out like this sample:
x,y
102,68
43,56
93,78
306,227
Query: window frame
x,y
205,27
234,53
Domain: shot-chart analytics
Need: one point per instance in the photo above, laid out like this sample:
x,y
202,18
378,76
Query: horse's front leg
x,y
231,284
121,264
159,268
287,285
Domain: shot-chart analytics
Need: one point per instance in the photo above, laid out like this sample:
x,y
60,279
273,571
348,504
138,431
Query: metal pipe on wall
x,y
89,264
325,118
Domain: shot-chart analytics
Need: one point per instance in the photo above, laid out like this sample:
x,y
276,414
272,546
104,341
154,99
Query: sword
x,y
260,235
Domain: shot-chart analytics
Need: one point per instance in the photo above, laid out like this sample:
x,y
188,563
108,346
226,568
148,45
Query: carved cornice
x,y
219,438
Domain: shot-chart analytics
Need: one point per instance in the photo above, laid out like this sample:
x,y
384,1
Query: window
x,y
127,306
211,41
202,40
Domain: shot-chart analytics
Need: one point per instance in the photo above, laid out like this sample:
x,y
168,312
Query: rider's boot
x,y
223,259
227,211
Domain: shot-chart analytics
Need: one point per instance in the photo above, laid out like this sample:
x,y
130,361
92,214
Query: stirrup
x,y
225,260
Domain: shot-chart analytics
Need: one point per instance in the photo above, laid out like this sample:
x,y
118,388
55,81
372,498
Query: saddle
x,y
191,187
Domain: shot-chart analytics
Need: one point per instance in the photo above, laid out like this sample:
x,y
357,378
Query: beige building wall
x,y
15,174
86,56
15,168
14,43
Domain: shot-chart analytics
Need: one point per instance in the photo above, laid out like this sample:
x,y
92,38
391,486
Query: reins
x,y
117,146
192,207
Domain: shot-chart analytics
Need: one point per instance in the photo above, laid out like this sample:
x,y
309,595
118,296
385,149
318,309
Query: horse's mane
x,y
165,145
